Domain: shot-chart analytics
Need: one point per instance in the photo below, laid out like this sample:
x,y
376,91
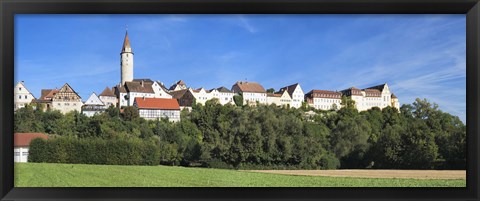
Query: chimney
x,y
142,84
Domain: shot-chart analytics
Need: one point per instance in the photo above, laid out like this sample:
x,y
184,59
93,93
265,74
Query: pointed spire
x,y
126,43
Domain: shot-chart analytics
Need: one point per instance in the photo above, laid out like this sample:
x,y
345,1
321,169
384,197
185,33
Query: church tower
x,y
126,62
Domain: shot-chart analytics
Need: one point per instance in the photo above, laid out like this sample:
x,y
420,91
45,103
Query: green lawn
x,y
68,175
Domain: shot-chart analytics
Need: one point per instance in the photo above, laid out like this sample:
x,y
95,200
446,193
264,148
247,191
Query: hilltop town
x,y
154,100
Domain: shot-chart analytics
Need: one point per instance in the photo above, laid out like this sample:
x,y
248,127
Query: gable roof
x,y
378,87
66,88
24,87
393,96
178,94
47,94
157,103
290,89
249,87
137,87
223,90
93,100
24,139
107,92
179,83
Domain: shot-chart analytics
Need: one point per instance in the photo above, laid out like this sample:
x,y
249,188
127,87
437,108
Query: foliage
x,y
419,136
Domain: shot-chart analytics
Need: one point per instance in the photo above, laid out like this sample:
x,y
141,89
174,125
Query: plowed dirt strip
x,y
404,174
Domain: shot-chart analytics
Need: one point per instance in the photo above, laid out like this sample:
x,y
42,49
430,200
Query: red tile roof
x,y
157,103
23,139
249,87
107,92
323,94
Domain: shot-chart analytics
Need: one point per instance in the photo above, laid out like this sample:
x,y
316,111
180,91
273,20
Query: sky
x,y
418,56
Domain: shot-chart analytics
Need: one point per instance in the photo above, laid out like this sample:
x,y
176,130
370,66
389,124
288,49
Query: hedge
x,y
94,151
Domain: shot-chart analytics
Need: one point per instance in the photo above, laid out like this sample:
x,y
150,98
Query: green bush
x,y
94,151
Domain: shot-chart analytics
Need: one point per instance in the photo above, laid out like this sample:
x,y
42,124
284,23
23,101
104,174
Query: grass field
x,y
68,175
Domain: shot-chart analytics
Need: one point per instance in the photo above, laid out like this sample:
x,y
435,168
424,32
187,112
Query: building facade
x,y
376,96
296,93
324,99
67,100
252,92
158,108
22,96
223,95
93,106
279,99
180,85
108,97
21,144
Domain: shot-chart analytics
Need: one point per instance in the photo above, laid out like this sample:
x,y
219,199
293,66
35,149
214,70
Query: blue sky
x,y
417,55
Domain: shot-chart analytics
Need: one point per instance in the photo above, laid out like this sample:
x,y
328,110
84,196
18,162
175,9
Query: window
x,y
17,153
20,88
25,96
20,97
24,153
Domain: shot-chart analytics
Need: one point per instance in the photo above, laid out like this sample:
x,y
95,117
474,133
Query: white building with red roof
x,y
377,96
324,99
157,108
21,144
252,92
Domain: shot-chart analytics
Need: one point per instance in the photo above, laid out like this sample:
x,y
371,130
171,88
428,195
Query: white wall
x,y
252,98
21,97
20,154
326,103
172,115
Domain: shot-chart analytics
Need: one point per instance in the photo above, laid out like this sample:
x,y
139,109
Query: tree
x,y
349,141
347,102
271,90
113,111
238,99
130,113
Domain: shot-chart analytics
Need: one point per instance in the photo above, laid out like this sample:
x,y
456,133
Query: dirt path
x,y
406,174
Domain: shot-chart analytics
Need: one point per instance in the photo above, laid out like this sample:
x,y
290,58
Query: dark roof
x,y
157,103
249,87
180,82
162,86
393,96
223,90
119,89
138,87
146,80
372,93
24,139
290,89
107,92
178,94
353,91
378,87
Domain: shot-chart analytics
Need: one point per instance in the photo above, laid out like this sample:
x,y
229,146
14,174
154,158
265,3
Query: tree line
x,y
419,136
